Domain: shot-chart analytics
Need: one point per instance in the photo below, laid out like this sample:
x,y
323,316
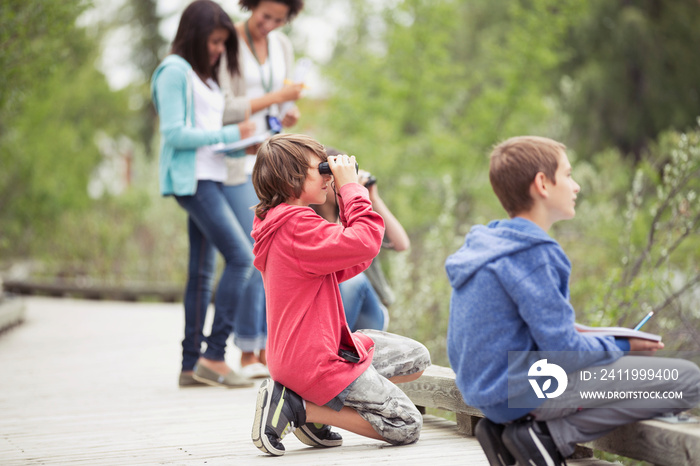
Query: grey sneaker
x,y
278,411
318,435
230,380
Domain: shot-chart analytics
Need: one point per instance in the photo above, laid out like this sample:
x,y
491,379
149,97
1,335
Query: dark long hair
x,y
198,21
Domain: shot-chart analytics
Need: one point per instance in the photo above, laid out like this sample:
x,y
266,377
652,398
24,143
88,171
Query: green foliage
x,y
35,38
148,243
422,91
148,46
50,117
148,49
633,73
421,285
657,269
592,239
426,88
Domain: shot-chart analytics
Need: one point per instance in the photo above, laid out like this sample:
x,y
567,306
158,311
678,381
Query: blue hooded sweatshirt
x,y
510,284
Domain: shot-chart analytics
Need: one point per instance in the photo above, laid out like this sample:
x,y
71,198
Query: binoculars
x,y
324,169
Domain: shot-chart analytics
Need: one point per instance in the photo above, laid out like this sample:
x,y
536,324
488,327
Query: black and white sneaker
x,y
489,435
278,411
531,444
318,435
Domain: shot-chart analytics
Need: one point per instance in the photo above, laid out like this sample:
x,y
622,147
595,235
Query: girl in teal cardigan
x,y
190,106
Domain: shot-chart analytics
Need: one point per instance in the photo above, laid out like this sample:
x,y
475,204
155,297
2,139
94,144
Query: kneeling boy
x,y
323,374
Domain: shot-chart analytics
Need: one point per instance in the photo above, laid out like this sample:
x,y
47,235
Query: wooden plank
x,y
437,389
466,423
89,383
127,292
657,442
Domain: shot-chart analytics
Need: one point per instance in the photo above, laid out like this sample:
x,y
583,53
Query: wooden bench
x,y
98,291
657,442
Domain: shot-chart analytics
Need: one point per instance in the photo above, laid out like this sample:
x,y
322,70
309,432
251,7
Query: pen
x,y
644,320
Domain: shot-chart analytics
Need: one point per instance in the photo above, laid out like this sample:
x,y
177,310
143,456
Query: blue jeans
x,y
363,309
212,226
250,325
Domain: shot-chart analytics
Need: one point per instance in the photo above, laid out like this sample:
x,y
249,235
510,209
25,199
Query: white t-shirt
x,y
254,88
208,115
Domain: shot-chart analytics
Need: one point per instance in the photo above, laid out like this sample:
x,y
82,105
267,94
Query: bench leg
x,y
466,424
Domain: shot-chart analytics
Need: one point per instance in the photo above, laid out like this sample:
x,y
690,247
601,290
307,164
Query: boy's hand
x,y
648,346
363,177
343,168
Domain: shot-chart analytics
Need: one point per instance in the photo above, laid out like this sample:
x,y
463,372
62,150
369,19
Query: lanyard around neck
x,y
267,87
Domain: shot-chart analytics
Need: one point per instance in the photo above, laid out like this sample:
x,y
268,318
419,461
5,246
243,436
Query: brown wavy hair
x,y
281,167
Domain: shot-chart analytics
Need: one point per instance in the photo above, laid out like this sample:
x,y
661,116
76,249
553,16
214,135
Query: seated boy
x,y
511,294
323,374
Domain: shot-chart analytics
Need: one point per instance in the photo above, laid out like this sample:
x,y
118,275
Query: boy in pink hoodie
x,y
323,373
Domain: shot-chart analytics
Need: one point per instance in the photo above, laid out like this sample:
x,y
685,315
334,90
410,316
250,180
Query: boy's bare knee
x,y
406,378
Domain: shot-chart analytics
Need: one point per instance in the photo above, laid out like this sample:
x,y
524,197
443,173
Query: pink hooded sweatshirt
x,y
302,258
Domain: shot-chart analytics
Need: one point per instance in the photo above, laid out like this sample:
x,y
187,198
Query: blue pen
x,y
644,320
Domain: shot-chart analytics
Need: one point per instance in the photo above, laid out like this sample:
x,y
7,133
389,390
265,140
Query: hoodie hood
x,y
264,230
486,244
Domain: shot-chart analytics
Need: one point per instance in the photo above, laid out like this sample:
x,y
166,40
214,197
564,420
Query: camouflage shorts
x,y
379,401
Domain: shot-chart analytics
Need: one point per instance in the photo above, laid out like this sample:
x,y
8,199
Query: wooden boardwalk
x,y
95,382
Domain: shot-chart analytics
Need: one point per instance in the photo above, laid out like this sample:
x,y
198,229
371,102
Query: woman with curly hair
x,y
262,88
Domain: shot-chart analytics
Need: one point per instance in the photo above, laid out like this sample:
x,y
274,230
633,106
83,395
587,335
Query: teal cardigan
x,y
173,97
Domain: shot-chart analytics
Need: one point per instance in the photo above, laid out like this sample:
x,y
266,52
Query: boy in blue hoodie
x,y
510,298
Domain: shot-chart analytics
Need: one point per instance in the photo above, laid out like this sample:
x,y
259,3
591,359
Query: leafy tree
x,y
422,90
657,269
633,73
35,38
148,48
54,103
